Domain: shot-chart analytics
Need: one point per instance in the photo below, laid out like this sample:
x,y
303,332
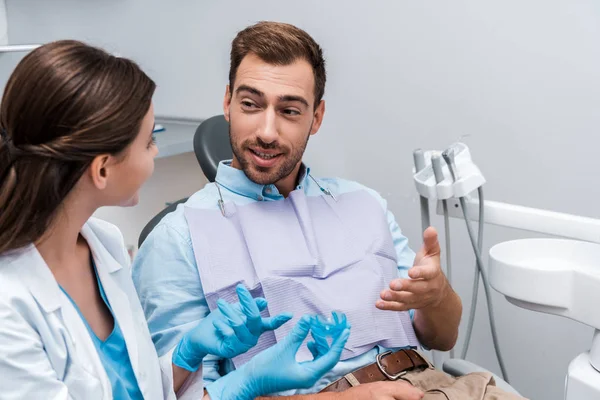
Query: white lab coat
x,y
46,351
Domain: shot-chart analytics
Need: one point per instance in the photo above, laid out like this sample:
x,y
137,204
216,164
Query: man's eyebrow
x,y
291,98
246,88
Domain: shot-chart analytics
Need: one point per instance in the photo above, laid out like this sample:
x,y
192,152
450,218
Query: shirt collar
x,y
235,180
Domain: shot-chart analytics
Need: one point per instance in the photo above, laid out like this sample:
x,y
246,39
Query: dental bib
x,y
304,255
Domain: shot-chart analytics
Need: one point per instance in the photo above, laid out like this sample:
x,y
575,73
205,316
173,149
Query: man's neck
x,y
286,185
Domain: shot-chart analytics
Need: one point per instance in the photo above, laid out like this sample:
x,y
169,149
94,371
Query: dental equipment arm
x,y
566,275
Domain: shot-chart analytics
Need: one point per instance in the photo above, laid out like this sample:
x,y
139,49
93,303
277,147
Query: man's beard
x,y
266,176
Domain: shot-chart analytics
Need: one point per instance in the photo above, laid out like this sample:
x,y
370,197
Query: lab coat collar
x,y
41,282
100,241
236,180
39,279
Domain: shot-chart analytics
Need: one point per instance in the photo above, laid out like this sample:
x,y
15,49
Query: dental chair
x,y
211,145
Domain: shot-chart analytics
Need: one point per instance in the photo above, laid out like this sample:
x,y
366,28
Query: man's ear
x,y
227,103
318,117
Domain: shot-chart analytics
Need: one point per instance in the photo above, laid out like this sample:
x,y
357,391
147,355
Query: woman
x,y
76,134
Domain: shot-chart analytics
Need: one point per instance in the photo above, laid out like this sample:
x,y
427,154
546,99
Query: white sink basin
x,y
554,276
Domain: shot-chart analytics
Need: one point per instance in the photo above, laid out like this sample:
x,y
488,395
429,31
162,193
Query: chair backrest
x,y
211,145
156,219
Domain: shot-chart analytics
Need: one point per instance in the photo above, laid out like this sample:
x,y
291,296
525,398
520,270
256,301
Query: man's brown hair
x,y
278,44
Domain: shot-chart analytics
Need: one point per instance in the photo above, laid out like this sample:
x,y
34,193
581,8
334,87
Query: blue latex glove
x,y
227,332
276,368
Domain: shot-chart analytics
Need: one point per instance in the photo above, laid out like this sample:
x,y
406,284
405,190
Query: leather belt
x,y
389,366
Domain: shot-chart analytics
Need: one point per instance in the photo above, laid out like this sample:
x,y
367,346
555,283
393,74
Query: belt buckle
x,y
384,372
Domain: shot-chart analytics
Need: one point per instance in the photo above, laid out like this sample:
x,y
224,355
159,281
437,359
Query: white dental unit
x,y
565,272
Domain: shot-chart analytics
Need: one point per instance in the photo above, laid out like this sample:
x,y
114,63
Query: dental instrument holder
x,y
468,180
566,272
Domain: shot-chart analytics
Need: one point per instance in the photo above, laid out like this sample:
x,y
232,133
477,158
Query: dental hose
x,y
475,278
449,158
436,164
488,293
448,250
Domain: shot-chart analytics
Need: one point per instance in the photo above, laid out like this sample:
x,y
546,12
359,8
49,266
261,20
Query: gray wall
x,y
520,78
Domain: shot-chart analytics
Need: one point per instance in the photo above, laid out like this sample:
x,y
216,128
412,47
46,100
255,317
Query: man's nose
x,y
267,131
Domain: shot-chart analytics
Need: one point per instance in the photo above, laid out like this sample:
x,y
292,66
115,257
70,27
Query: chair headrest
x,y
211,145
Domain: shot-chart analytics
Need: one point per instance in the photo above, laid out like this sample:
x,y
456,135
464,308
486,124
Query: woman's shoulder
x,y
14,268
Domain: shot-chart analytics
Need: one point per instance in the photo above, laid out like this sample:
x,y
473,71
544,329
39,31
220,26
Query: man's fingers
x,y
419,256
430,242
405,391
431,245
391,305
427,270
398,297
412,302
409,285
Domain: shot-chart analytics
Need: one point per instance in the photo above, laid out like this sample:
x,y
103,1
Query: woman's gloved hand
x,y
227,332
276,368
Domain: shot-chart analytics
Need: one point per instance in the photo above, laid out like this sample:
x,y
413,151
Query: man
x,y
306,244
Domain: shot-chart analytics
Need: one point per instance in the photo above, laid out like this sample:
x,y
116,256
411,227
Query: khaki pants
x,y
438,385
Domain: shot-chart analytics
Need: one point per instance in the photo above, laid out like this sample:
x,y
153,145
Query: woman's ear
x,y
99,171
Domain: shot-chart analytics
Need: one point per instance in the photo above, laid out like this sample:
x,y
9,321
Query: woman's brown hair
x,y
65,104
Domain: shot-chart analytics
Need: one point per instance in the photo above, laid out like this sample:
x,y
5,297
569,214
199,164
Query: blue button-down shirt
x,y
167,280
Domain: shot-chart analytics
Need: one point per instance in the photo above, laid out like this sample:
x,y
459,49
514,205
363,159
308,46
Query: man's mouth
x,y
265,156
